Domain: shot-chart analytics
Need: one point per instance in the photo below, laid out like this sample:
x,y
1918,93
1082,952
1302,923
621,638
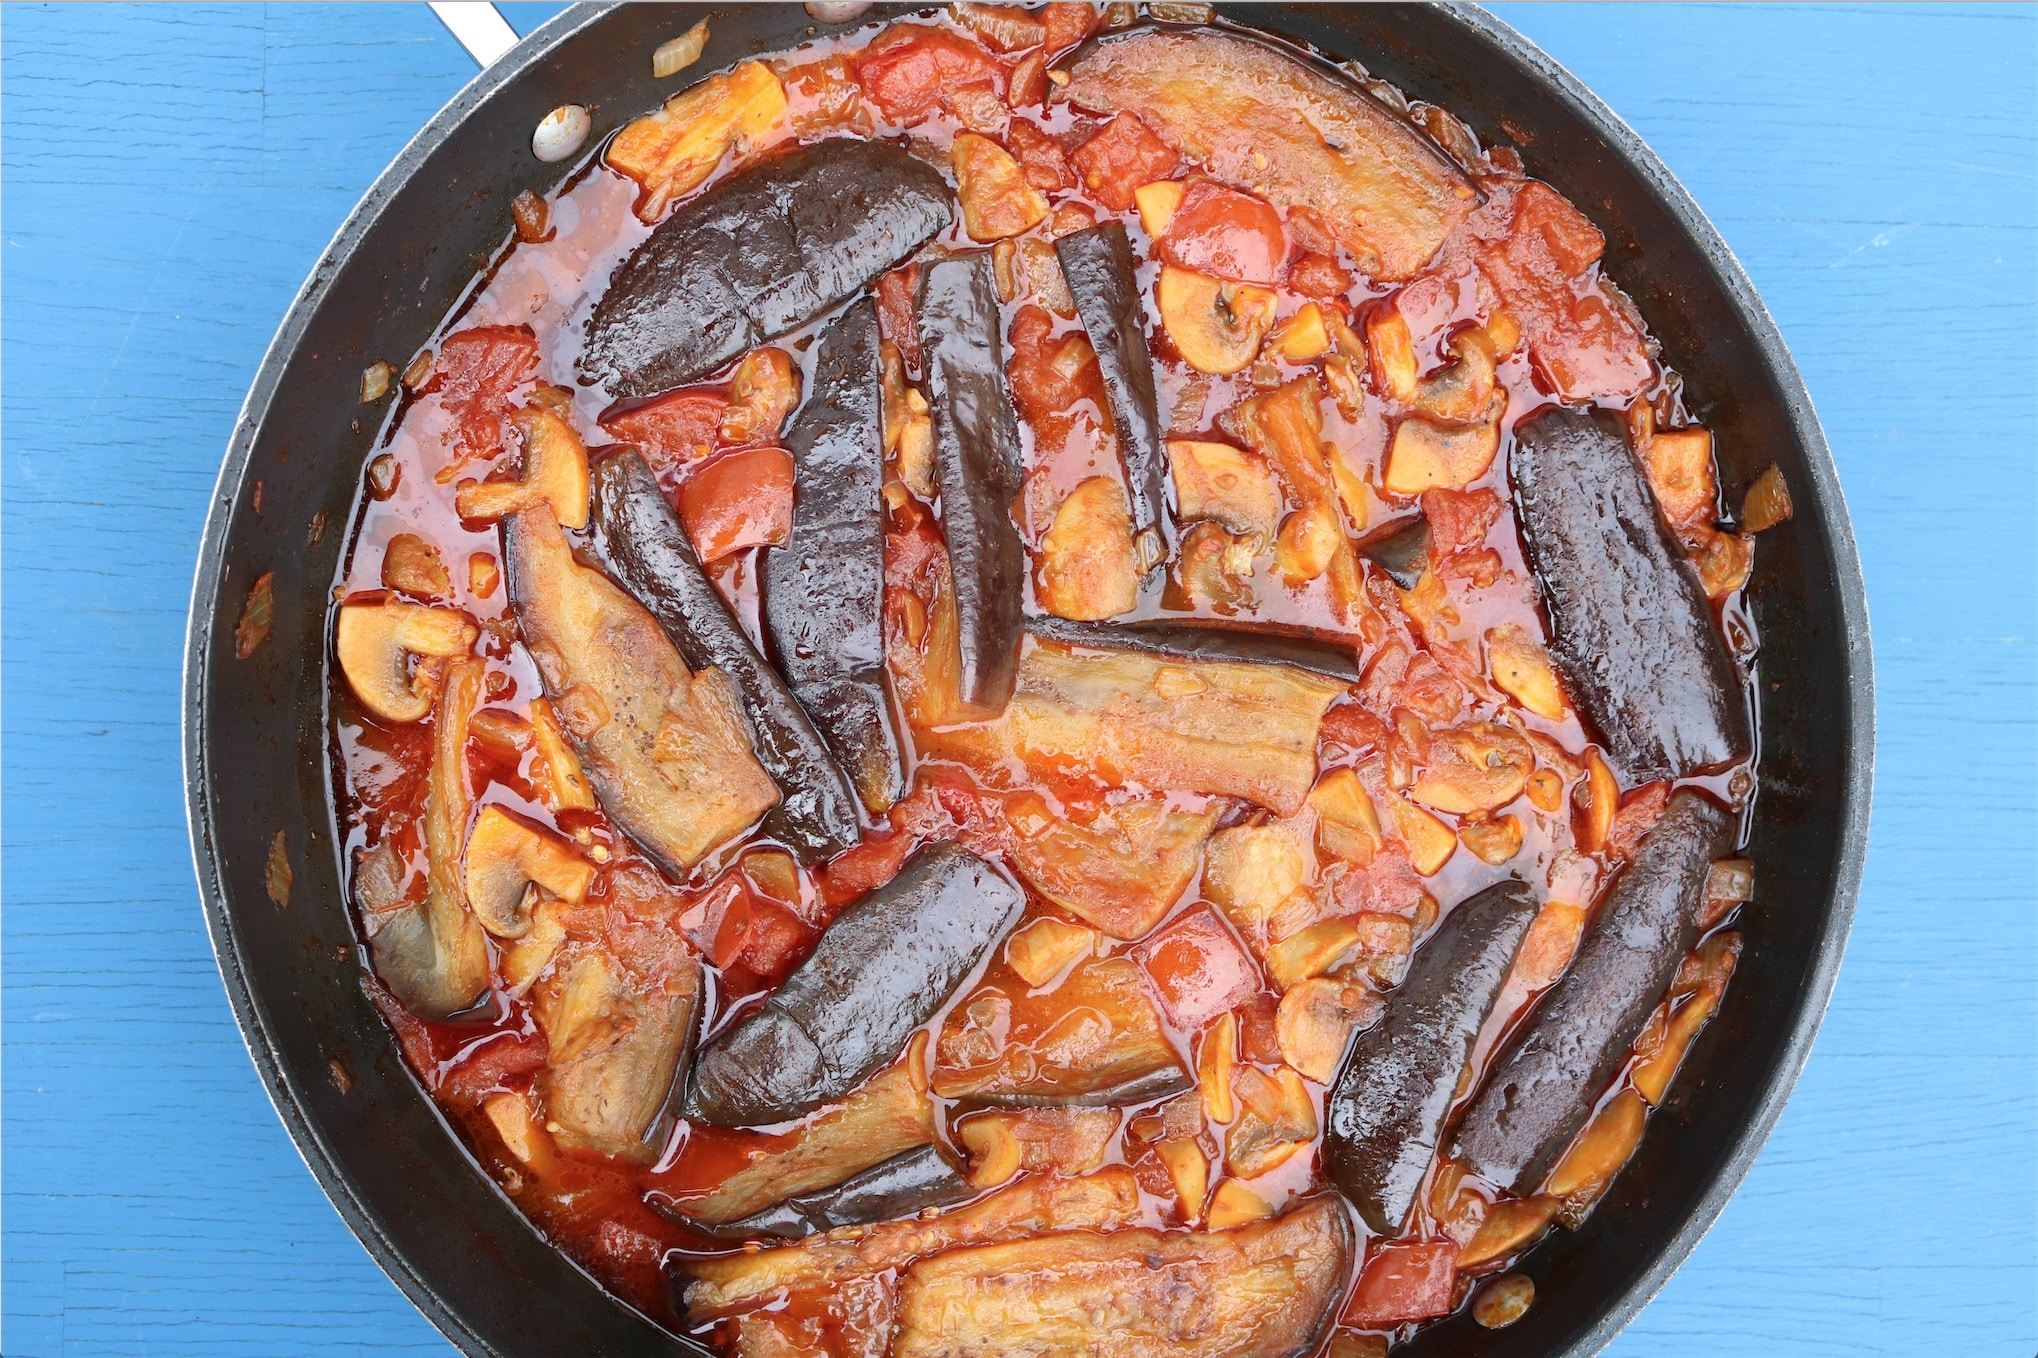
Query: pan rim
x,y
1816,984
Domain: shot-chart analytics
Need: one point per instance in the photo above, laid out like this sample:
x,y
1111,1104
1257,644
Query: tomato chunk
x,y
473,375
1066,24
494,1065
1119,159
895,317
673,431
1404,1282
738,500
1459,519
1198,969
1579,341
1226,234
759,935
908,71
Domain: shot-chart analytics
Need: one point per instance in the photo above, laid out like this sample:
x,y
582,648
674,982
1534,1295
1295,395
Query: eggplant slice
x,y
1198,639
642,544
823,592
1097,262
1630,624
883,968
1542,1089
977,468
766,250
902,1186
1402,551
1386,1110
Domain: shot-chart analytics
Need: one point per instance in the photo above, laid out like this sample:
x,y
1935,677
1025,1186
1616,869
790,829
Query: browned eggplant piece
x,y
667,749
1386,1110
1402,552
900,1187
880,970
823,592
642,544
886,1116
1102,1201
1629,622
1542,1088
1097,262
766,250
977,469
1124,869
1264,1290
1294,130
1197,639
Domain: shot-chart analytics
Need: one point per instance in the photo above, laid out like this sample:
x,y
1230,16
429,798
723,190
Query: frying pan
x,y
255,731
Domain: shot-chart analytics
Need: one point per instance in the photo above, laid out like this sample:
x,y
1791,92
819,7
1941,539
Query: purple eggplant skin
x,y
908,1183
884,967
977,462
766,250
1097,262
1385,1112
823,592
1630,624
1544,1085
641,544
1198,639
1402,551
1163,1083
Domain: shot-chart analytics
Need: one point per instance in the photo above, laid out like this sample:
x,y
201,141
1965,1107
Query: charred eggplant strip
x,y
899,1187
1260,116
1386,1109
887,1116
977,469
1097,262
667,749
880,970
1629,621
766,250
642,544
1265,1290
1402,552
1196,639
1543,1087
823,592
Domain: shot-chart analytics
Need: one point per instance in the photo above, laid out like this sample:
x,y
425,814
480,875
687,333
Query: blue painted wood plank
x,y
170,174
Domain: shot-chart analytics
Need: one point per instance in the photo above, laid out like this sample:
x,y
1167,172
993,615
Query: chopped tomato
x,y
738,500
1459,519
492,1066
1579,340
1119,159
473,375
1386,885
1403,1282
1054,377
1040,156
1319,276
1066,24
1259,1034
864,868
673,431
1226,234
1354,728
895,318
1639,811
1198,969
759,935
908,70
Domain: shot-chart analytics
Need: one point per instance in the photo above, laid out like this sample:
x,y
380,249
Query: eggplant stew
x,y
1045,681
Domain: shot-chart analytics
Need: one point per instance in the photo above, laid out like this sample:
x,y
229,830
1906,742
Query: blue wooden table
x,y
170,173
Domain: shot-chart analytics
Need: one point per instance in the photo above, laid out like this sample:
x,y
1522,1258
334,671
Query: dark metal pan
x,y
255,730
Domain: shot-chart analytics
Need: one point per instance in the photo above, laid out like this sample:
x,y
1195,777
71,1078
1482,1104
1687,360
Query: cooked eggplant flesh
x,y
902,1186
667,749
1259,116
1540,1090
881,969
1265,1290
1200,639
1098,266
764,251
643,545
823,592
977,461
618,1036
1630,625
1385,1111
1122,871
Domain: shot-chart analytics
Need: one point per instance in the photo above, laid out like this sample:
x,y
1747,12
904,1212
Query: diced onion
x,y
677,54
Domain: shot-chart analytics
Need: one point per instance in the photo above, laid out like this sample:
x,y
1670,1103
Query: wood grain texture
x,y
172,172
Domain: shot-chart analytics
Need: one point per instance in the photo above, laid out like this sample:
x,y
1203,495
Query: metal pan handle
x,y
478,25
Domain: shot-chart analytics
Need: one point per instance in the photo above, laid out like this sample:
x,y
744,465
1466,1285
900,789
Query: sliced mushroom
x,y
1425,456
375,643
762,392
1228,485
1087,571
1460,392
1216,326
555,472
997,202
505,858
1522,669
1316,1021
1475,768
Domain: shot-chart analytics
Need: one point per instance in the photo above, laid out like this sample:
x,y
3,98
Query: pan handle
x,y
480,28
